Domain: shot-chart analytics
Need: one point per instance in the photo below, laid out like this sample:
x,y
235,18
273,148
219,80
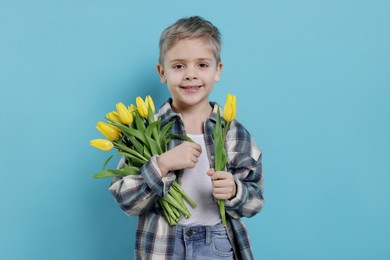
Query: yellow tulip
x,y
142,107
102,144
113,116
109,131
150,103
124,114
132,109
229,110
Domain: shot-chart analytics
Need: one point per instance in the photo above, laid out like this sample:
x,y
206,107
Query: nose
x,y
190,74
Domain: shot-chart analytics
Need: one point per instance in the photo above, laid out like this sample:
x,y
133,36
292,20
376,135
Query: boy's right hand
x,y
182,156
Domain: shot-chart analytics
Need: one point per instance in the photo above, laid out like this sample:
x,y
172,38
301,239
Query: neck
x,y
194,117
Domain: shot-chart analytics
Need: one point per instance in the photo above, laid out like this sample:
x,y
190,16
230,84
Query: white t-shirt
x,y
197,184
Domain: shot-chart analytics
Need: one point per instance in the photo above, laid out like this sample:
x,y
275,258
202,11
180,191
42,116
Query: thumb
x,y
210,172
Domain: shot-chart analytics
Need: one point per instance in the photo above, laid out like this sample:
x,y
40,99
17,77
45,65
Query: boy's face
x,y
190,70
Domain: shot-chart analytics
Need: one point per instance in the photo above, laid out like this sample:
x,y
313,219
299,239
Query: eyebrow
x,y
182,60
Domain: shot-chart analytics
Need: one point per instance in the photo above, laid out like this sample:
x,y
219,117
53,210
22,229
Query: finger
x,y
194,159
221,195
220,175
214,176
196,153
193,149
221,183
197,147
223,191
191,163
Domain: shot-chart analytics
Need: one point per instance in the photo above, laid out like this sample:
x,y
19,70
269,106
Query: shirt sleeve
x,y
244,162
137,193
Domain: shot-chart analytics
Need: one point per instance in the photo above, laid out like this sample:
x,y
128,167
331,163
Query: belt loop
x,y
208,236
179,232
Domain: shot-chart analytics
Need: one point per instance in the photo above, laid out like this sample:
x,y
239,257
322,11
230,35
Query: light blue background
x,y
312,80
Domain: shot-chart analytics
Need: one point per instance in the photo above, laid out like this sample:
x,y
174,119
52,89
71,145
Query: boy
x,y
189,64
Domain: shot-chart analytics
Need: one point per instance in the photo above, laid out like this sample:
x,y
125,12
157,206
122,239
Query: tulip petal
x,y
113,117
229,110
124,114
142,107
150,103
109,131
102,144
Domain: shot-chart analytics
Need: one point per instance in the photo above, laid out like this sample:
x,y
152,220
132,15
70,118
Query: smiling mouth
x,y
190,89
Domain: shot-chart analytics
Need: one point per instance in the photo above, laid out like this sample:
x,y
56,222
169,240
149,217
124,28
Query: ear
x,y
161,73
218,72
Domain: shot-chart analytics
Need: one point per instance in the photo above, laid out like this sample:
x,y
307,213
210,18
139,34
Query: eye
x,y
203,65
178,66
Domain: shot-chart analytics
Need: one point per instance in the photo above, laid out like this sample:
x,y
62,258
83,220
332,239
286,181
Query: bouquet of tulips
x,y
138,136
219,138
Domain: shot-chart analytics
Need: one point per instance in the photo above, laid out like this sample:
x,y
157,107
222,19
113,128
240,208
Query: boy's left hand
x,y
224,186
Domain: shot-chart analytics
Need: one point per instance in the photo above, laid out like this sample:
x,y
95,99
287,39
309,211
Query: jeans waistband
x,y
198,232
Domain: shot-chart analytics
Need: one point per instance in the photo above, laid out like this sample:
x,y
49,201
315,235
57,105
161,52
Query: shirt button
x,y
190,232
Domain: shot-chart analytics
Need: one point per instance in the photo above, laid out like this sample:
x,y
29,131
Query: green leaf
x,y
153,142
156,132
123,128
218,127
113,122
124,148
106,174
139,122
166,129
150,115
183,137
146,152
105,163
149,130
128,170
137,145
164,144
220,153
134,159
164,138
153,146
128,131
148,141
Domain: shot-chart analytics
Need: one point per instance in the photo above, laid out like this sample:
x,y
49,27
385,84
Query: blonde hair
x,y
190,27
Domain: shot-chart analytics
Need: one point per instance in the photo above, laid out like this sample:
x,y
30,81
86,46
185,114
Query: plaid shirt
x,y
138,194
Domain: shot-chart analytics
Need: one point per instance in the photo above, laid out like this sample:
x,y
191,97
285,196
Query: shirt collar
x,y
166,112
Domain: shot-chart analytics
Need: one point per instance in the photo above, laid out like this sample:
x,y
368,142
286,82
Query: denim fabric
x,y
202,242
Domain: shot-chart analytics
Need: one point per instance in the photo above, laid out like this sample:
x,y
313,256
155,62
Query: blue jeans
x,y
202,242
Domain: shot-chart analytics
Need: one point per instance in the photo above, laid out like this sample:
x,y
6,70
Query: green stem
x,y
222,211
176,212
179,198
221,202
166,213
171,200
185,196
129,150
169,213
225,131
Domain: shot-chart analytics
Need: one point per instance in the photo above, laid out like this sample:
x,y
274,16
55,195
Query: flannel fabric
x,y
138,194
